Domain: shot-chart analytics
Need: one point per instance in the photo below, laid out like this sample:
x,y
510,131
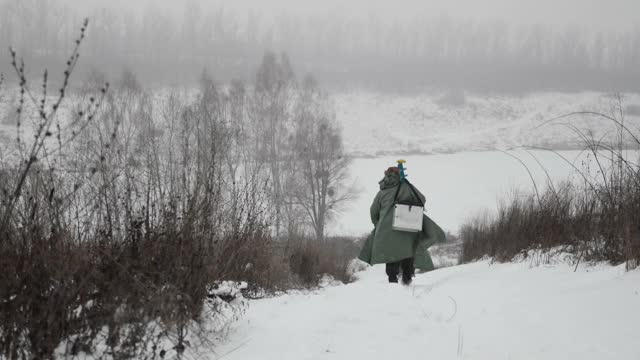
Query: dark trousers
x,y
393,269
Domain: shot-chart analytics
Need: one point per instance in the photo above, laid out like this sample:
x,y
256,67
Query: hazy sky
x,y
600,14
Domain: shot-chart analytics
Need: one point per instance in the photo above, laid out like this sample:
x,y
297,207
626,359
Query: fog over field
x,y
498,45
592,14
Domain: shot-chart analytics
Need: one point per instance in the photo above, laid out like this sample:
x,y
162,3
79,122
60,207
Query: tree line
x,y
430,51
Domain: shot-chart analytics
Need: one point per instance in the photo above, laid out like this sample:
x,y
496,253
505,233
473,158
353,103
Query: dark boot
x,y
406,279
393,269
408,271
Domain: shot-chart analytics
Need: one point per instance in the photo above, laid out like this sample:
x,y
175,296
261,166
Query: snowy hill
x,y
377,124
474,311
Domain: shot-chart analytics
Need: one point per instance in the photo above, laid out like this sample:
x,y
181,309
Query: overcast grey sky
x,y
598,14
511,45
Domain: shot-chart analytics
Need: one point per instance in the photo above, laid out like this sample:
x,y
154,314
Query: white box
x,y
407,218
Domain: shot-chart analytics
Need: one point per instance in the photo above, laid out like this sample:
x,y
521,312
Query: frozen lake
x,y
458,186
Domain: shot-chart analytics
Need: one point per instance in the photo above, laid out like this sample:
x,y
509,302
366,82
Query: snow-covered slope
x,y
475,311
376,124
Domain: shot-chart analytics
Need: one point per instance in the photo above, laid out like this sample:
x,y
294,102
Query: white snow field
x,y
475,311
377,124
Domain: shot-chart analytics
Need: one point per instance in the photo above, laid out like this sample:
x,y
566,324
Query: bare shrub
x,y
596,220
310,259
112,229
335,255
121,209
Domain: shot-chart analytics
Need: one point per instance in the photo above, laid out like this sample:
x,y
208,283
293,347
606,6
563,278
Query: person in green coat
x,y
399,249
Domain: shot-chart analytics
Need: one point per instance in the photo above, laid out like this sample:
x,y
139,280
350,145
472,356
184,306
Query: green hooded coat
x,y
386,245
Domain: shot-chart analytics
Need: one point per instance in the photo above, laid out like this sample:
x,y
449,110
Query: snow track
x,y
475,311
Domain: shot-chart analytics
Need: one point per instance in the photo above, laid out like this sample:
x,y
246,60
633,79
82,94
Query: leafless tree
x,y
321,187
271,115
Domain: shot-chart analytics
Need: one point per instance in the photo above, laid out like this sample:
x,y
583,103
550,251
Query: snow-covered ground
x,y
475,311
377,124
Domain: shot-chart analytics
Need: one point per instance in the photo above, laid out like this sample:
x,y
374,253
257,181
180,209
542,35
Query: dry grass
x,y
596,220
310,259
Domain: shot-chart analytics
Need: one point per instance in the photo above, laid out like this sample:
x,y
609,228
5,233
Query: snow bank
x,y
474,311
